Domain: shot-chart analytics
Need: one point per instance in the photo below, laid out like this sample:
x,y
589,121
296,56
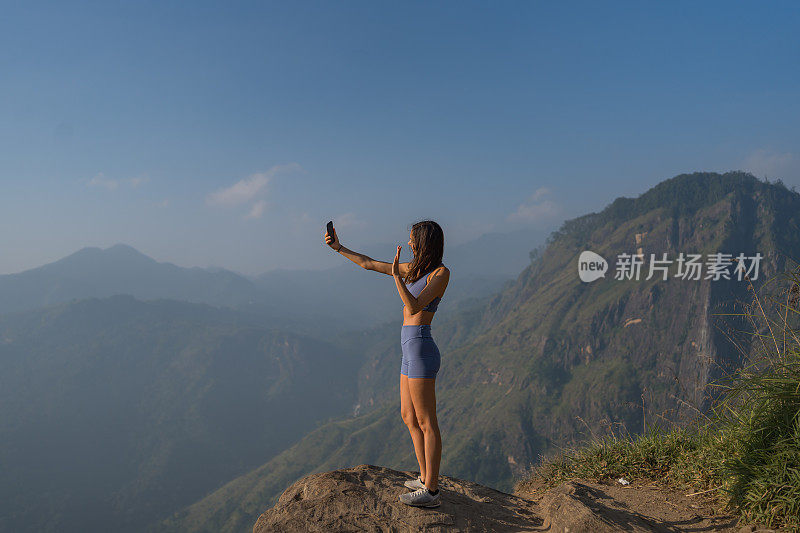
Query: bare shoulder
x,y
442,272
442,278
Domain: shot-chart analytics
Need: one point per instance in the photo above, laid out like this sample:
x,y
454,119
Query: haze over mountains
x,y
115,411
300,300
551,358
118,413
119,269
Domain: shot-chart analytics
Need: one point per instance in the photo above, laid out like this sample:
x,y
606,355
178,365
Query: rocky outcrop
x,y
365,498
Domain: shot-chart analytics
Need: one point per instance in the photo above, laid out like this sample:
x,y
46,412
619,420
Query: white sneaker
x,y
422,498
415,484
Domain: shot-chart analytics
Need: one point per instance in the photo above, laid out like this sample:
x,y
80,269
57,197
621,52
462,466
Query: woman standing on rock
x,y
421,284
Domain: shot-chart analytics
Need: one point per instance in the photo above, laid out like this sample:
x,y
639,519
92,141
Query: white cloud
x,y
240,192
257,210
540,193
250,189
100,180
536,208
135,182
245,190
348,220
771,164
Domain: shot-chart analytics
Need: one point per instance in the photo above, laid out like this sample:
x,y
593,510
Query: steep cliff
x,y
552,358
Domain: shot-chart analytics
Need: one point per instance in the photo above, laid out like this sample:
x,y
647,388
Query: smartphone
x,y
330,228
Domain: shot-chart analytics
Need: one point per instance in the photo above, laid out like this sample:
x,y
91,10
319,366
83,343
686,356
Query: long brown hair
x,y
428,239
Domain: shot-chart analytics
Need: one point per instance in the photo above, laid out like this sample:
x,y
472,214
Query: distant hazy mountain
x,y
119,269
551,358
317,302
494,254
478,268
498,253
117,412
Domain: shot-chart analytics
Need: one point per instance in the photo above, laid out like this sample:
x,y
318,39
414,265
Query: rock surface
x,y
639,507
365,498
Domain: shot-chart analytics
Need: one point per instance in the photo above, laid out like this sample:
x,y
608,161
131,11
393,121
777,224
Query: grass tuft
x,y
747,452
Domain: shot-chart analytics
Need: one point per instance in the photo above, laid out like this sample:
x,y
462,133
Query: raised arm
x,y
386,268
360,259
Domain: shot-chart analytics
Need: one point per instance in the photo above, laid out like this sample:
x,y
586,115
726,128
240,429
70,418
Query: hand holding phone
x,y
330,236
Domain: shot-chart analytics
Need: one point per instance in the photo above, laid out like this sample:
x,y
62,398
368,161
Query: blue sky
x,y
227,134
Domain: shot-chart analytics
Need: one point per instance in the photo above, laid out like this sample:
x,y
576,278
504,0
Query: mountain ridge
x,y
116,411
555,357
297,300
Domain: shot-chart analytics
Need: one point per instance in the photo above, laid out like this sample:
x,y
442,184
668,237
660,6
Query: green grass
x,y
681,457
747,452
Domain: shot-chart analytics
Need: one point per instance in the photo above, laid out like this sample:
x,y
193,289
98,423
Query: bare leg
x,y
423,397
410,418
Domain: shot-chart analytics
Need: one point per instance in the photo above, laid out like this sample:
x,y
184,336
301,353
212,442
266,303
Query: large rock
x,y
364,498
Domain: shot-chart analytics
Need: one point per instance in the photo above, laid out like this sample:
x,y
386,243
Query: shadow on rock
x,y
365,498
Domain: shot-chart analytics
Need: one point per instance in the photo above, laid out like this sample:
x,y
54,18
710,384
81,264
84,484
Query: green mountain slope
x,y
551,357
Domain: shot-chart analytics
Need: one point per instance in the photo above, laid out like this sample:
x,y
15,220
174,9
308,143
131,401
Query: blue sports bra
x,y
415,288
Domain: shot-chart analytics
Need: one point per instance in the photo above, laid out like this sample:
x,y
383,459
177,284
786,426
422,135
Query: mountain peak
x,y
682,195
118,250
123,248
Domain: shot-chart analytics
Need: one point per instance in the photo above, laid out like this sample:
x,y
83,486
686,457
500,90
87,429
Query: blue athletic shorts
x,y
421,358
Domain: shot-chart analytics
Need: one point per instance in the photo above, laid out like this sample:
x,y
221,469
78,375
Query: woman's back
x,y
415,288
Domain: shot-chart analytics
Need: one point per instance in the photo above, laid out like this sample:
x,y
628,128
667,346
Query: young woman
x,y
421,284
